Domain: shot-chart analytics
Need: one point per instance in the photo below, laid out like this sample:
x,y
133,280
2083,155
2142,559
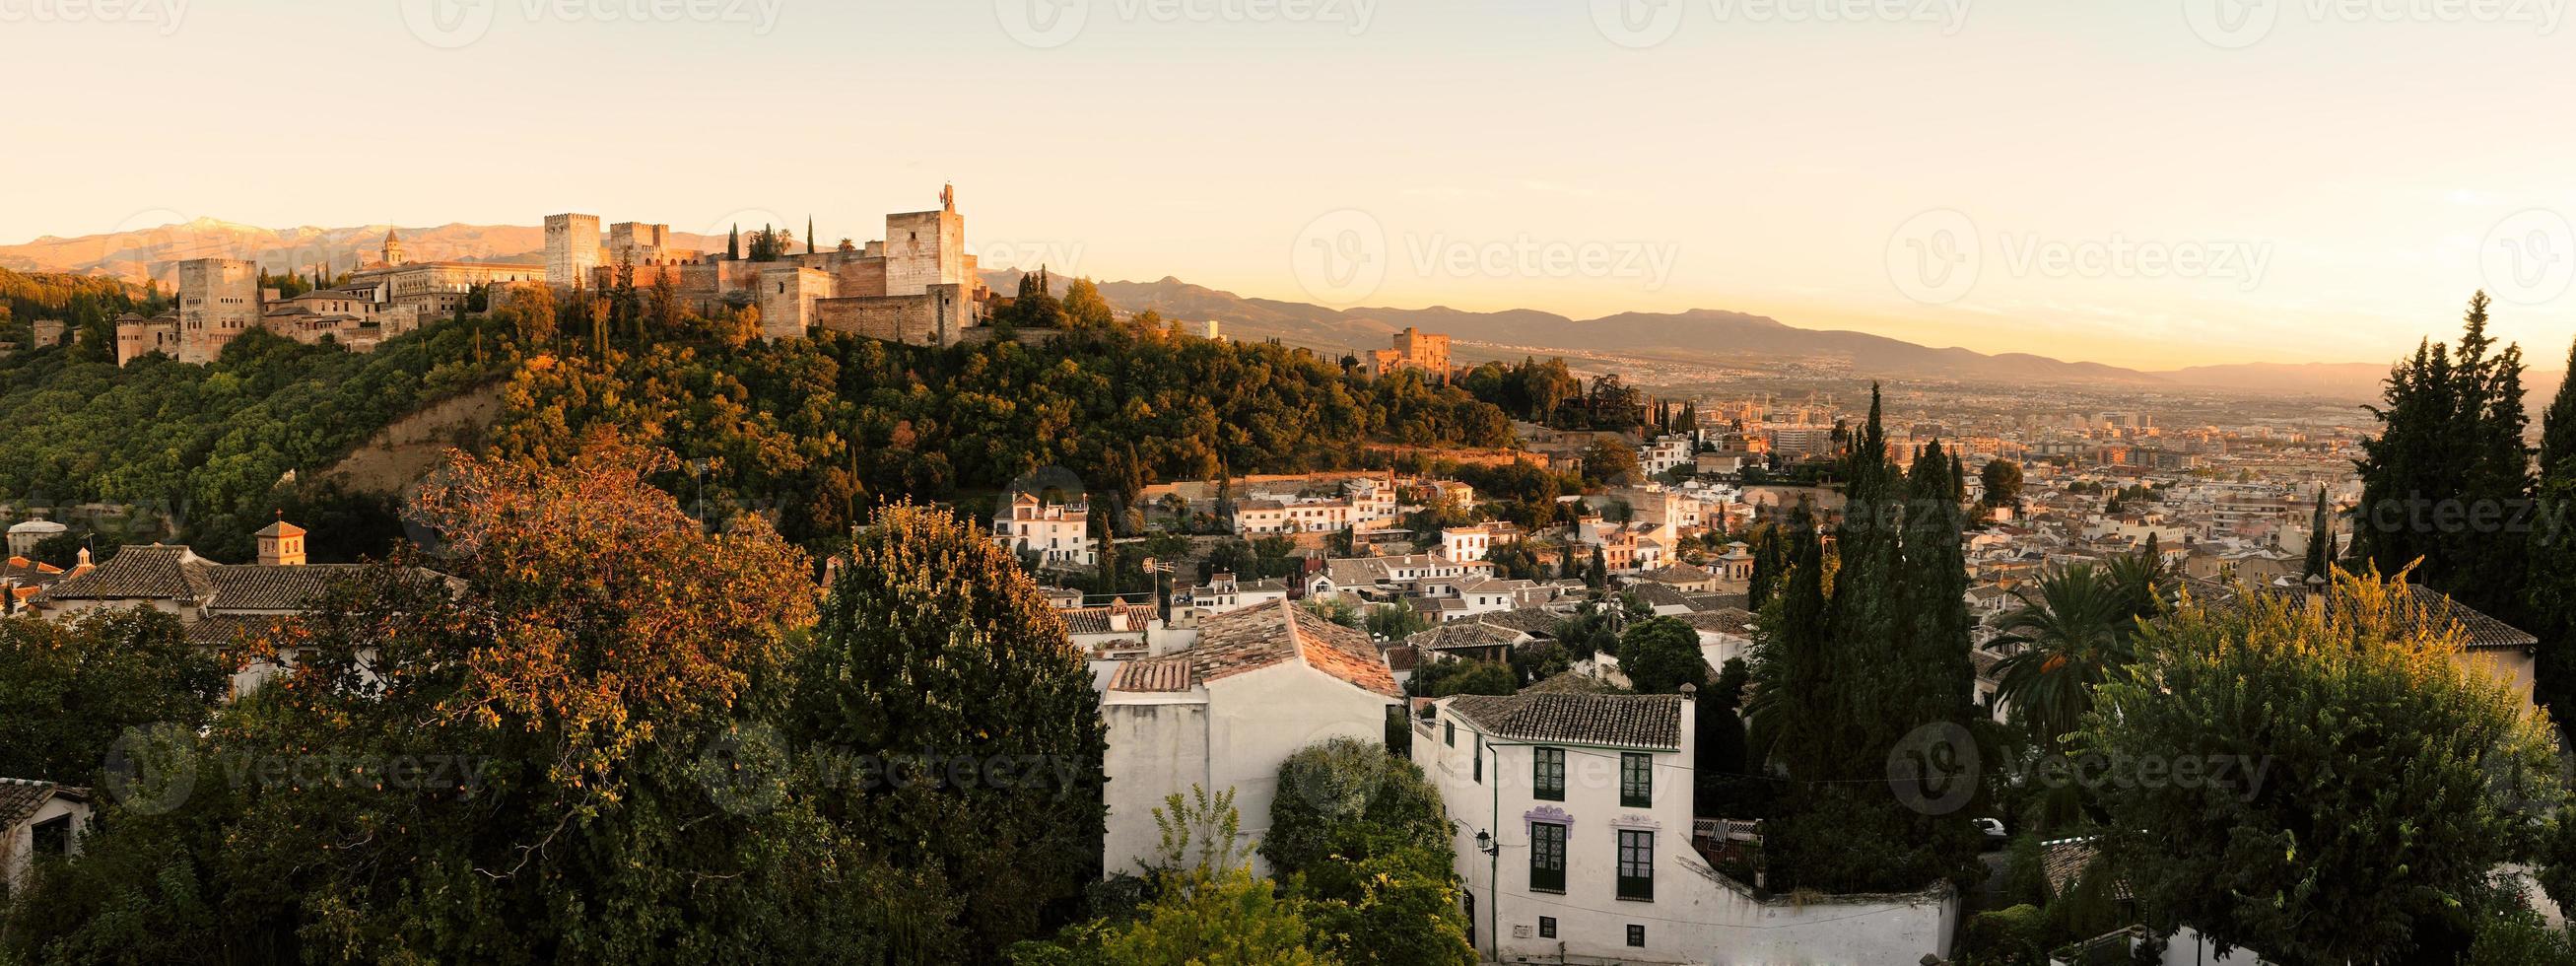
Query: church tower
x,y
393,248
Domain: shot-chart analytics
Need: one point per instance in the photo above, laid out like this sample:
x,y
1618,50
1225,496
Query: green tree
x,y
2317,847
2451,429
1661,655
2002,480
935,647
1440,678
1609,461
2321,540
567,694
69,690
1852,667
2068,640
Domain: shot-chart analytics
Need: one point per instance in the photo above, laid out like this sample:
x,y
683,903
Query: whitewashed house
x,y
1224,593
1259,684
1058,534
1576,843
38,819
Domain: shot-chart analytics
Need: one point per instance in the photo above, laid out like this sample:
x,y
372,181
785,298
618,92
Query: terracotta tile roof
x,y
1465,634
1659,595
1534,621
1257,637
156,572
2065,861
1721,601
1569,682
218,630
1728,621
267,587
1157,674
1621,720
20,797
1085,620
2439,610
1677,573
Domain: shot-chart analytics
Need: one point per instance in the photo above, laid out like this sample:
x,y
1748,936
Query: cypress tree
x,y
2558,422
2320,540
733,244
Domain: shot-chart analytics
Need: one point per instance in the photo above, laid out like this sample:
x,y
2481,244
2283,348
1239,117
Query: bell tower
x,y
393,248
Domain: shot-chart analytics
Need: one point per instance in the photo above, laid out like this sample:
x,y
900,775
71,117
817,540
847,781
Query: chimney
x,y
281,544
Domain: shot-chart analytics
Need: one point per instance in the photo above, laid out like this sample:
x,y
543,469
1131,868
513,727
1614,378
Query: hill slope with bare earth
x,y
409,448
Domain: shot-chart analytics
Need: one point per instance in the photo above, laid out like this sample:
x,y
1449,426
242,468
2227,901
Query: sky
x,y
2153,183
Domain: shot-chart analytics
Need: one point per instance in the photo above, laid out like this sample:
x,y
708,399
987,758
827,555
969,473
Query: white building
x,y
1223,593
1466,543
1353,577
1576,843
1667,452
1259,684
24,536
1057,534
1364,504
37,819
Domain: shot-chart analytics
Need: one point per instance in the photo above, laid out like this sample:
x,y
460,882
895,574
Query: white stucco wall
x,y
1696,915
1229,734
18,842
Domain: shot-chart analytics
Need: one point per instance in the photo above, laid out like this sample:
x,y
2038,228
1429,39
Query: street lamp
x,y
1485,843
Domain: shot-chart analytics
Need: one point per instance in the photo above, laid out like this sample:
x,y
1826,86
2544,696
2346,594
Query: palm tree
x,y
2073,636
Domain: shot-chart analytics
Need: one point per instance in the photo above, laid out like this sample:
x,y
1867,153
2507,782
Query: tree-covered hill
x,y
207,445
813,431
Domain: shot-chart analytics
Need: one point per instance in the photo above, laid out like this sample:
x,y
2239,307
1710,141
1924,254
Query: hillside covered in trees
x,y
813,432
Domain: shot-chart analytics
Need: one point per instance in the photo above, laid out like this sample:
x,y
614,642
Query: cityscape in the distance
x,y
1247,482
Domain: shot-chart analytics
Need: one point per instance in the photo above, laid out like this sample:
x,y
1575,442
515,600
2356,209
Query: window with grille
x,y
1636,864
1636,780
1547,857
1547,774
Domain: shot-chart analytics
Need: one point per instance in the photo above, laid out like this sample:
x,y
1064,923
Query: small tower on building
x,y
281,544
394,248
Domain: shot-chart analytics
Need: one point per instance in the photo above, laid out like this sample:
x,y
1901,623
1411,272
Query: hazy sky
x,y
2142,182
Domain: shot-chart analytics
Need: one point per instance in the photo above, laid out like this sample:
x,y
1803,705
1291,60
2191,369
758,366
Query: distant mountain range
x,y
1709,335
1702,336
153,253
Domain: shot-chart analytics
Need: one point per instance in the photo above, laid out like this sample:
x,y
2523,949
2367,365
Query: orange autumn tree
x,y
622,613
530,762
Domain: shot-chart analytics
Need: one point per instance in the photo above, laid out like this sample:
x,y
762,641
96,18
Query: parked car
x,y
1994,832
